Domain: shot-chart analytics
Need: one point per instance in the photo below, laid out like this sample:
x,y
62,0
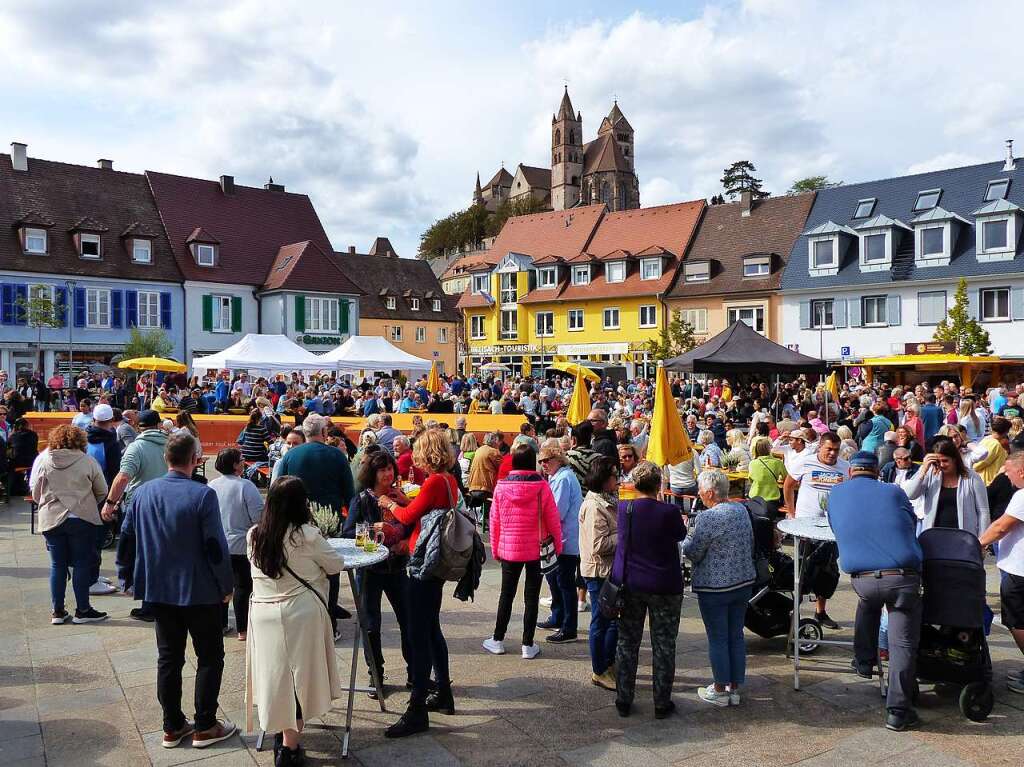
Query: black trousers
x,y
373,586
243,590
510,572
333,591
426,640
174,625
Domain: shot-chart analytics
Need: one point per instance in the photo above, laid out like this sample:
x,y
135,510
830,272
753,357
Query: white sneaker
x,y
710,695
530,651
105,579
545,601
337,635
99,587
734,696
583,606
494,646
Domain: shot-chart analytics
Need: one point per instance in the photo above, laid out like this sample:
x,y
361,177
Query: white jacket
x,y
971,499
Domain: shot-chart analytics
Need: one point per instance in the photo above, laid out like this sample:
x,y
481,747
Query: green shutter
x,y
207,313
236,314
343,315
300,314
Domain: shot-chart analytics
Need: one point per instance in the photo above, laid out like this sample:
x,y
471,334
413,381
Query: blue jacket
x,y
875,526
172,548
568,497
102,445
931,417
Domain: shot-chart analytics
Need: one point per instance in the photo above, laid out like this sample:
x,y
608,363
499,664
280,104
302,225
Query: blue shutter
x,y
805,315
131,317
20,294
61,307
165,311
853,307
892,310
7,304
79,308
974,304
839,312
116,308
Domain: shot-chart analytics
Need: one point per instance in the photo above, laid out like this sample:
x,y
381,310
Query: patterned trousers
x,y
664,611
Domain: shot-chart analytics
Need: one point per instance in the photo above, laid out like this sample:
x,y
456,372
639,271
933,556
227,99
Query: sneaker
x,y
531,651
605,681
899,720
172,739
864,672
545,601
583,607
1015,684
100,588
89,616
560,637
734,696
826,621
337,635
664,711
104,579
140,614
548,625
59,618
494,646
710,695
217,733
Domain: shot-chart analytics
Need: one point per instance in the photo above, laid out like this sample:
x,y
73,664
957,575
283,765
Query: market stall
x,y
371,353
259,354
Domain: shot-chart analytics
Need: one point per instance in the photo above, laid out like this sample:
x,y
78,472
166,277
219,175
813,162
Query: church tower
x,y
566,155
617,124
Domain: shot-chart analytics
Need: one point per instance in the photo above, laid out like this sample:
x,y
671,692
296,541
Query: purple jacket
x,y
653,544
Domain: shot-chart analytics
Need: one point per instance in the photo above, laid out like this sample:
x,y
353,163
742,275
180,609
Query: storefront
x,y
21,360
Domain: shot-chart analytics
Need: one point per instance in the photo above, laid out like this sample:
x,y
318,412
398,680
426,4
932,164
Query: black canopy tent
x,y
739,348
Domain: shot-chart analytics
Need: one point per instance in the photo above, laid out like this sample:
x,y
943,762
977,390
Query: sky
x,y
384,114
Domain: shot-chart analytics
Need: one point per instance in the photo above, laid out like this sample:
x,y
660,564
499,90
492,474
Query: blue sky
x,y
385,118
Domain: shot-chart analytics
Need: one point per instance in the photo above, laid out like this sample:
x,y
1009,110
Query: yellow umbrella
x,y
153,363
434,380
668,444
832,386
579,405
574,368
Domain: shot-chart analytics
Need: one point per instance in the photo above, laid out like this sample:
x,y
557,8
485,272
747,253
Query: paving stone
x,y
233,748
421,751
613,754
56,706
62,646
18,749
20,722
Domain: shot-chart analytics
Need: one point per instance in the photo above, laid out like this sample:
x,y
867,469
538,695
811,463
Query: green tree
x,y
959,327
40,311
147,343
675,339
812,184
508,209
739,177
467,228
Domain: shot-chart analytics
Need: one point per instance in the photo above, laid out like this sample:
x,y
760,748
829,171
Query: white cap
x,y
103,412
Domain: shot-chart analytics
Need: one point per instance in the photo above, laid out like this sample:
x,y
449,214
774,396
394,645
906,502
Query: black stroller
x,y
953,647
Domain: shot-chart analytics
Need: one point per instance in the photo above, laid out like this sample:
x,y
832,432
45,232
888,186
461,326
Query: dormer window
x,y
697,271
581,274
142,251
480,283
35,241
873,246
436,304
757,266
927,199
89,245
615,271
650,268
997,189
865,208
390,303
997,230
414,304
932,239
994,235
206,255
823,253
877,242
546,277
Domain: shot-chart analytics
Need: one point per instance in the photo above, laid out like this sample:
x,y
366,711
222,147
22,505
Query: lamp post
x,y
69,303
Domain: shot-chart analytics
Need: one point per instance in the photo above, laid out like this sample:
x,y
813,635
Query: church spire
x,y
565,110
478,195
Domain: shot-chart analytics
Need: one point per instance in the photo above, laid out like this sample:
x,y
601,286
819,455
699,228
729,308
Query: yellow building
x,y
581,284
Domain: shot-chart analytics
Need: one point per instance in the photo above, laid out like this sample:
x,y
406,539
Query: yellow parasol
x,y
832,386
434,380
579,405
573,368
668,444
153,363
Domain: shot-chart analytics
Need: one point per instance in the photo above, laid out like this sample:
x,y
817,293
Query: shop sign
x,y
310,340
508,349
930,347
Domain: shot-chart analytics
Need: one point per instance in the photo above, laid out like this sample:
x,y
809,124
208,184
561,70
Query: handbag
x,y
548,557
612,594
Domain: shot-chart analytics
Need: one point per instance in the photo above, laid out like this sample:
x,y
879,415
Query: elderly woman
x,y
738,450
766,472
367,438
721,549
905,439
598,531
954,495
647,565
711,455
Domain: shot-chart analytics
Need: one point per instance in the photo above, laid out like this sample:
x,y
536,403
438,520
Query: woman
x,y
432,454
241,507
647,564
738,448
291,670
184,421
367,438
711,455
598,531
967,417
766,472
682,481
905,439
914,423
68,485
523,513
954,496
467,449
253,440
377,474
721,549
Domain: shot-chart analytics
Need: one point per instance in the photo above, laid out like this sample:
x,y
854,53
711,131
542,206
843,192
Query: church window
x,y
572,137
622,197
558,136
606,193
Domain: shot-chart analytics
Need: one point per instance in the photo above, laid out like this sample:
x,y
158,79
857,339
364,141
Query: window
x,y
206,255
757,266
650,268
927,199
994,235
995,304
931,307
509,294
932,241
821,314
546,277
435,304
996,190
321,315
221,314
864,208
89,245
545,324
481,283
873,310
648,316
874,248
35,240
149,309
699,271
477,329
97,307
396,334
581,275
40,292
421,335
752,315
509,324
615,271
414,304
575,319
142,251
442,335
611,318
696,319
391,303
823,254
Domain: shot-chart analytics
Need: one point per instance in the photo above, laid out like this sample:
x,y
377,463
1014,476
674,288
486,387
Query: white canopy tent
x,y
263,353
372,353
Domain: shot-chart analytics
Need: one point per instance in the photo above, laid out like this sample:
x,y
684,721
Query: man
x,y
127,429
102,445
996,446
1012,408
628,459
174,554
244,384
692,428
581,455
1009,532
931,418
527,435
387,434
603,441
460,429
483,471
403,457
562,582
816,475
638,436
222,391
875,530
190,402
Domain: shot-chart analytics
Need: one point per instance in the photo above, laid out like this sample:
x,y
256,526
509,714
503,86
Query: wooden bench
x,y
9,482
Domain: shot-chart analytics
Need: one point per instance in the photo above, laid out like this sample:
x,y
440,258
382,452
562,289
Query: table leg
x,y
378,684
797,577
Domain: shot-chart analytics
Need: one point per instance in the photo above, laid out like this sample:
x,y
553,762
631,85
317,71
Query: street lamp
x,y
69,302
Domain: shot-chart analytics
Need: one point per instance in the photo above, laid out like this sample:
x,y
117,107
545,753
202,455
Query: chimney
x,y
19,156
1009,164
227,184
746,202
105,164
270,186
352,250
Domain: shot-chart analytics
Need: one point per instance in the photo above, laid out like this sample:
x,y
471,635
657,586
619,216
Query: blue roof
x,y
963,193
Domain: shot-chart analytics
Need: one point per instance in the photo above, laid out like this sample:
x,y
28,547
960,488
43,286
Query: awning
x,y
582,349
929,359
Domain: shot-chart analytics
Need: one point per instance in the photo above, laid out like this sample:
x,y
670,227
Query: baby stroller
x,y
953,648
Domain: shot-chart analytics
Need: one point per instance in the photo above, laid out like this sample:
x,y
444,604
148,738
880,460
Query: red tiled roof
x,y
201,235
381,276
668,226
559,233
471,300
304,266
600,288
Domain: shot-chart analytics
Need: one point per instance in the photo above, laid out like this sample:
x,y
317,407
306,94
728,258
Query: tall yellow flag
x,y
579,405
669,443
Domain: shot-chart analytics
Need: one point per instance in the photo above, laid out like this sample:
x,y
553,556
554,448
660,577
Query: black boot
x,y
288,757
442,700
413,721
378,692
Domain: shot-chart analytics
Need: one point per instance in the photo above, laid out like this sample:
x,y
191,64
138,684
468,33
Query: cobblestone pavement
x,y
86,695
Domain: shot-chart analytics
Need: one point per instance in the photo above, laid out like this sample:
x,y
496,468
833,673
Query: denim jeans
x,y
72,544
604,632
564,607
723,613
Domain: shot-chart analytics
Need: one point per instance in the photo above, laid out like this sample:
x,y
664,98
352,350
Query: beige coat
x,y
599,525
67,482
289,649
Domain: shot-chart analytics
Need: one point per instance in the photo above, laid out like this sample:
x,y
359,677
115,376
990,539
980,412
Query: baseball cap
x,y
103,412
149,419
864,459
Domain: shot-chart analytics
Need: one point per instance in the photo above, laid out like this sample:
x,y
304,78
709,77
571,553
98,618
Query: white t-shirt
x,y
816,481
1011,547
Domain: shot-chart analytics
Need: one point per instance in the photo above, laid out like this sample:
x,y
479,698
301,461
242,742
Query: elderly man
x,y
603,441
386,433
562,582
483,471
638,436
403,456
876,531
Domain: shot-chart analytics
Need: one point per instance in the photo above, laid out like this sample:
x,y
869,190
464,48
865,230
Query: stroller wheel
x,y
976,701
807,634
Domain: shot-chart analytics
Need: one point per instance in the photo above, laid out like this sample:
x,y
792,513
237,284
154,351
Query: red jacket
x,y
523,512
505,467
432,496
404,464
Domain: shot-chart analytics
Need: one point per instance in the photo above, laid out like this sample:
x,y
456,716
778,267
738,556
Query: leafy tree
x,y
675,339
40,311
739,177
812,184
959,327
467,228
508,209
147,343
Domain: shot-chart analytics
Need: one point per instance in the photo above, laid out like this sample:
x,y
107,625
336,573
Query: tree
x,y
739,177
40,311
467,228
960,328
147,343
508,209
675,339
812,184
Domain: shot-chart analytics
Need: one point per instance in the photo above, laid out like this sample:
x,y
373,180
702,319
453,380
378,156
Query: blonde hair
x,y
468,444
734,437
1016,426
647,477
367,438
66,437
432,451
761,446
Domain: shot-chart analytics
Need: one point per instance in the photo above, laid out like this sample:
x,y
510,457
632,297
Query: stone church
x,y
601,170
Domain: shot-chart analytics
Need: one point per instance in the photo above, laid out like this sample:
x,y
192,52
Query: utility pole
x,y
69,313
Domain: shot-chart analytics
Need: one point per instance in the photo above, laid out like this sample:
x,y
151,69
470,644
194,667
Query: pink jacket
x,y
523,512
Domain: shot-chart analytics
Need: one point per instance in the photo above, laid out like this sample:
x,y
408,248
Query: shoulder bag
x,y
548,557
612,594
